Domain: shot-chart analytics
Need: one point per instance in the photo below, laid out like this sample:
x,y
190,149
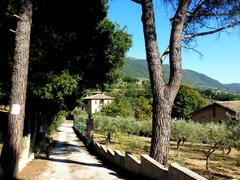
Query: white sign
x,y
15,109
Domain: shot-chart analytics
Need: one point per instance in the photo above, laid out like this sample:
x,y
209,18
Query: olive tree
x,y
181,132
211,136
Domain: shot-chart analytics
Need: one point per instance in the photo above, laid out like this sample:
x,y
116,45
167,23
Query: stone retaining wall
x,y
146,167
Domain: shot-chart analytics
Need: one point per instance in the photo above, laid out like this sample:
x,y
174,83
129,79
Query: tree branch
x,y
194,12
189,36
193,50
137,1
165,54
175,55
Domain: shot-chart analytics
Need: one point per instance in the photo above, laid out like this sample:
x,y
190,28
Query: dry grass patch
x,y
191,156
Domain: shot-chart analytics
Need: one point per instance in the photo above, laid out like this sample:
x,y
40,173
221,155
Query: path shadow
x,y
67,161
62,147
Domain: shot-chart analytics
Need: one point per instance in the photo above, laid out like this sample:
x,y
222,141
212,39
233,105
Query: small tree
x,y
181,131
233,126
143,109
211,136
119,107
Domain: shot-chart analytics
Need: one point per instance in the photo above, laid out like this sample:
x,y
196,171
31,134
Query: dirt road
x,y
69,160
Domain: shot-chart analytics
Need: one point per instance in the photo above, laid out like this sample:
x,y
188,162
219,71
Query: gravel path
x,y
69,160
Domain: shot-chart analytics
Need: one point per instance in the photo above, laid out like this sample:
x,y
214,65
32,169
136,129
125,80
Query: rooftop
x,y
232,105
98,96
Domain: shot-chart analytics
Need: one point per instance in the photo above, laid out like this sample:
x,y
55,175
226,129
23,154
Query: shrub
x,y
119,107
107,124
80,115
135,143
181,131
143,109
57,121
180,158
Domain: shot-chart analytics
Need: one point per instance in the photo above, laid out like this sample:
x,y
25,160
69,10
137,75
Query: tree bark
x,y
163,95
12,146
207,162
178,146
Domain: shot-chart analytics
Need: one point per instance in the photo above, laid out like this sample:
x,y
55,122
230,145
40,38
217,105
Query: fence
x,y
81,127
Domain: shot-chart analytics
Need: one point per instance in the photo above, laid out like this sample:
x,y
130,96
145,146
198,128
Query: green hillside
x,y
233,86
138,68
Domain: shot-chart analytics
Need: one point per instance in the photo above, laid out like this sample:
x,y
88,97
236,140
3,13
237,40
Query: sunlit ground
x,y
191,156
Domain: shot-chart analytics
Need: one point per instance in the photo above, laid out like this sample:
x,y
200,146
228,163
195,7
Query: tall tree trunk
x,y
163,95
12,146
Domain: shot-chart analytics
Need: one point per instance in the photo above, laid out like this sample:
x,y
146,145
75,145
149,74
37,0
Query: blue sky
x,y
221,54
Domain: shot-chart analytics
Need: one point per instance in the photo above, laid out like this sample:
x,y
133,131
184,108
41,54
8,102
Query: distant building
x,y
94,102
216,112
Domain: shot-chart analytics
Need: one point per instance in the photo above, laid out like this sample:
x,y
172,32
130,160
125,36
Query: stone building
x,y
216,112
94,102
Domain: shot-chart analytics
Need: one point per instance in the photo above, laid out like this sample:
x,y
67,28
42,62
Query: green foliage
x,y
106,125
119,107
129,79
180,158
118,124
220,95
143,109
65,58
136,68
211,133
57,121
58,87
187,101
80,115
233,126
181,129
135,143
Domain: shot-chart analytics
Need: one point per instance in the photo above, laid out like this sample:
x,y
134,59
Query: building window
x,y
95,101
101,101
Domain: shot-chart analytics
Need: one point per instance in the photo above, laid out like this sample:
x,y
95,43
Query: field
x,y
191,156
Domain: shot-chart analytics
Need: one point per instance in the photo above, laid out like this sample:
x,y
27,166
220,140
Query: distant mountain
x,y
233,86
138,68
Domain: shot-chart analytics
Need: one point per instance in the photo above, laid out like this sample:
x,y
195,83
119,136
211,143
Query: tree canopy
x,y
72,48
187,101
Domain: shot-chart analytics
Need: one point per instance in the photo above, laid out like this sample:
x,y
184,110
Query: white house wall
x,y
96,105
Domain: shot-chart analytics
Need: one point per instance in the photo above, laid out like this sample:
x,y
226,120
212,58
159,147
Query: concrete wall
x,y
25,156
178,172
146,167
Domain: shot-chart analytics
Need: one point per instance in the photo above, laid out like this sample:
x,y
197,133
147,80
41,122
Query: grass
x,y
191,156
